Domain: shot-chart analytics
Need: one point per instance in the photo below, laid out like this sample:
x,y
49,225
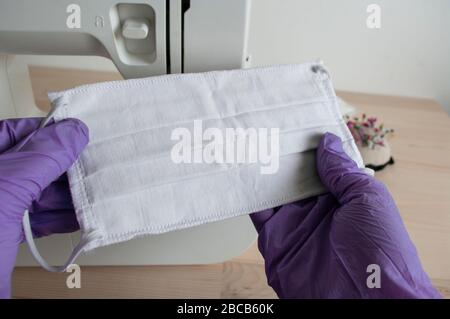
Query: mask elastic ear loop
x,y
34,251
26,218
56,104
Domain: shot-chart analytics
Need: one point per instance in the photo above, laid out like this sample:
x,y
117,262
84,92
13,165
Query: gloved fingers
x,y
53,222
339,173
56,196
260,218
13,130
46,154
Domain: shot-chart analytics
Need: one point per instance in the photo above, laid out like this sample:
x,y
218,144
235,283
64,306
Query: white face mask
x,y
164,152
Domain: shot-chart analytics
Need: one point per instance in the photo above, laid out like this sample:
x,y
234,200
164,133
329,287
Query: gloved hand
x,y
31,177
321,247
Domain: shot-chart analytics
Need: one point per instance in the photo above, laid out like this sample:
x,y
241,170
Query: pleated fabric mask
x,y
164,151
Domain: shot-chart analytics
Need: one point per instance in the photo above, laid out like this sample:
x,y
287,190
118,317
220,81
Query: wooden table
x,y
419,181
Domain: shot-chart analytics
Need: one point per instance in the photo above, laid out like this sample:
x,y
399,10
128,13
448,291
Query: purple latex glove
x,y
31,178
320,247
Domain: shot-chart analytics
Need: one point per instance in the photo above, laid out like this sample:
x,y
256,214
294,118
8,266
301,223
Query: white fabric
x,y
125,184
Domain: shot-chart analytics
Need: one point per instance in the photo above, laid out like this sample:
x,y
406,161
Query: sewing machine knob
x,y
135,29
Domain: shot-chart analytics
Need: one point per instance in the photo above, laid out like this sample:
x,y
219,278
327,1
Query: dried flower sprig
x,y
366,132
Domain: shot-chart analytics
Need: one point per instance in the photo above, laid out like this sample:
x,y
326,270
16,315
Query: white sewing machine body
x,y
142,38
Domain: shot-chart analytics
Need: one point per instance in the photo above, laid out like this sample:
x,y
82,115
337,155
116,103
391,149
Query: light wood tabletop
x,y
419,182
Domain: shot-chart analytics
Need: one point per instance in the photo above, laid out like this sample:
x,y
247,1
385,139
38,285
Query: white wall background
x,y
409,55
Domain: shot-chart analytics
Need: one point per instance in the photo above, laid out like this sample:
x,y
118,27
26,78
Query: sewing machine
x,y
142,38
